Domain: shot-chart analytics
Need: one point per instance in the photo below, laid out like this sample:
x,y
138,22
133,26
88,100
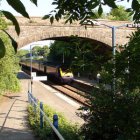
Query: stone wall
x,y
35,29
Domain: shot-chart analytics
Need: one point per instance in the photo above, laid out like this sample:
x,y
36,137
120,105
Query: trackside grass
x,y
68,131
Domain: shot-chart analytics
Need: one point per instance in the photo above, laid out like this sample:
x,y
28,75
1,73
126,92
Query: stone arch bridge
x,y
36,29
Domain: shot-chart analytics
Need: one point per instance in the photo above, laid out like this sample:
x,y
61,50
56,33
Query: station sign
x,y
40,78
33,74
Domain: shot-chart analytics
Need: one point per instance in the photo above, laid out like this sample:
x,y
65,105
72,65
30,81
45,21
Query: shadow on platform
x,y
21,75
16,134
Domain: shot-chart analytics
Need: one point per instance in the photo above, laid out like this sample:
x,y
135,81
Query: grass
x,y
68,131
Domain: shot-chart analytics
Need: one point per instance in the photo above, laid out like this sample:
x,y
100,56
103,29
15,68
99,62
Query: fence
x,y
32,100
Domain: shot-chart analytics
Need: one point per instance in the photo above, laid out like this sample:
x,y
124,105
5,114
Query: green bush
x,y
69,131
9,66
115,114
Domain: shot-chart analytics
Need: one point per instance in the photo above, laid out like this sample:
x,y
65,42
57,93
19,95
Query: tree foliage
x,y
79,54
38,52
60,50
128,63
98,16
119,14
82,10
41,51
8,67
73,10
45,50
115,114
19,7
22,54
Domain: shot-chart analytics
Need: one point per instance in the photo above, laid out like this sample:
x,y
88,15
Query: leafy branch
x,y
19,7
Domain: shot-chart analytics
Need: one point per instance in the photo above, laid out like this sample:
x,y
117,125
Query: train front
x,y
66,74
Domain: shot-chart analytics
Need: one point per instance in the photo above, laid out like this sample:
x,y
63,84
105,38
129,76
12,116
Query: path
x,y
13,109
13,116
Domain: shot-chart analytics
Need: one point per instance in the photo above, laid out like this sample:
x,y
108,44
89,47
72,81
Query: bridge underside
x,y
103,48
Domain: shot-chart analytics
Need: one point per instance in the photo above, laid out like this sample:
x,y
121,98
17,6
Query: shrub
x,y
112,116
69,131
9,66
115,114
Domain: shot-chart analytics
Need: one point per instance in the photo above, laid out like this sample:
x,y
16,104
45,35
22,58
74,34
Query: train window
x,y
66,70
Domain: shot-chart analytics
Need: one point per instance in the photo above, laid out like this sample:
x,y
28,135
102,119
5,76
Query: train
x,y
56,72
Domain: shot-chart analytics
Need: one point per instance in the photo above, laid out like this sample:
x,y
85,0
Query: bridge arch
x,y
61,32
39,30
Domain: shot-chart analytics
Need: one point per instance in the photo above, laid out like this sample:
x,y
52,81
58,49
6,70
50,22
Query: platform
x,y
13,110
85,80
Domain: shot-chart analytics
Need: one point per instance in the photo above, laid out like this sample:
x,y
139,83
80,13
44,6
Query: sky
x,y
44,7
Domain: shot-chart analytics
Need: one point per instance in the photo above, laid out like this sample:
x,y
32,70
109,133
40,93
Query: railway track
x,y
77,91
70,91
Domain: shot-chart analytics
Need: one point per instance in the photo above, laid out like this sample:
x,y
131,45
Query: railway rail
x,y
71,91
77,90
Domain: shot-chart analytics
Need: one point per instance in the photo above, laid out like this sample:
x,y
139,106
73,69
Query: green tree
x,y
115,115
41,51
82,10
72,10
19,7
3,24
9,65
45,50
60,51
127,64
98,16
22,54
36,50
119,14
81,55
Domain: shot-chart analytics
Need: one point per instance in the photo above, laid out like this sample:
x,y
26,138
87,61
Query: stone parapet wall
x,y
36,29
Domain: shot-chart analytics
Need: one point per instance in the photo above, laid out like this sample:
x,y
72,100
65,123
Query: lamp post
x,y
31,69
63,58
114,50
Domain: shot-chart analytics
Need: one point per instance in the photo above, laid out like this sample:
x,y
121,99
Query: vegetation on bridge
x,y
81,11
119,14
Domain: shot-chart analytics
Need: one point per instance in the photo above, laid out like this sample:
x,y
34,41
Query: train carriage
x,y
55,72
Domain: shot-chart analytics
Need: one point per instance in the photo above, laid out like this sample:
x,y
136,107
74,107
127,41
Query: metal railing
x,y
32,100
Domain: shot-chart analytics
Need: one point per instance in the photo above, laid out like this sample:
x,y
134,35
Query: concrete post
x,y
55,121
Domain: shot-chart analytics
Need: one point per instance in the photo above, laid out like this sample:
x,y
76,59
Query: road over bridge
x,y
37,29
